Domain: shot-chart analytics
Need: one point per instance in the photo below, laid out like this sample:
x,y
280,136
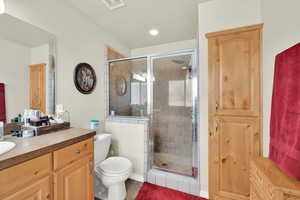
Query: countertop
x,y
29,148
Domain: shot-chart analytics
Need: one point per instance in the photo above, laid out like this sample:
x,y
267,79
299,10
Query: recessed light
x,y
114,4
2,7
154,32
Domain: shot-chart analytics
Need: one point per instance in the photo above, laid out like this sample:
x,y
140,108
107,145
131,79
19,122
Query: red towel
x,y
285,115
2,103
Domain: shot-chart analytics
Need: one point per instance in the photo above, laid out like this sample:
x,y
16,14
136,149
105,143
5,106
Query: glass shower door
x,y
173,114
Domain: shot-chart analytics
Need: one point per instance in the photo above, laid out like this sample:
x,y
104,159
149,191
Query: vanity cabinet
x,y
64,174
39,190
75,181
73,172
29,180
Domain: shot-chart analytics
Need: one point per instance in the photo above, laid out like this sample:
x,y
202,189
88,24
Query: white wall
x,y
40,54
164,48
217,15
14,67
281,31
78,40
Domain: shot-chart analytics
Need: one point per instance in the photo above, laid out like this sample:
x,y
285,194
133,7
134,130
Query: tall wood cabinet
x,y
38,87
234,110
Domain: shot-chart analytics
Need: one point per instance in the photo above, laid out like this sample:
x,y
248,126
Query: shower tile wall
x,y
172,123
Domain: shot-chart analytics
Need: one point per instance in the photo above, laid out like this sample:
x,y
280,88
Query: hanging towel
x,y
2,103
285,114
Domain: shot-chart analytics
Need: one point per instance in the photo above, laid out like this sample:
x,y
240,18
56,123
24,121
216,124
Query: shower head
x,y
179,62
184,64
184,61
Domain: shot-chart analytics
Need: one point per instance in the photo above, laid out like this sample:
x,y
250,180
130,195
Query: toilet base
x,y
117,191
101,192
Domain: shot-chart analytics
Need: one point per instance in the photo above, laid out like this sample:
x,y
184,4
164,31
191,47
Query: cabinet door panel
x,y
237,74
40,190
75,181
234,145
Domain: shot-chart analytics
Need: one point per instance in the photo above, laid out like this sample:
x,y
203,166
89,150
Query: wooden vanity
x,y
268,182
57,166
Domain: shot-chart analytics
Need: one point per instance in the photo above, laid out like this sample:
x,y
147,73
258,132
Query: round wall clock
x,y
85,78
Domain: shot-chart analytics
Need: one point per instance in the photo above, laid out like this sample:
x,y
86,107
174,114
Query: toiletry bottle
x,y
95,125
1,131
142,112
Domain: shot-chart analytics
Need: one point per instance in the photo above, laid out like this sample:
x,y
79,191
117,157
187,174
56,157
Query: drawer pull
x,y
77,151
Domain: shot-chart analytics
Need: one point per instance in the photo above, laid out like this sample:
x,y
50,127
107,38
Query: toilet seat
x,y
115,166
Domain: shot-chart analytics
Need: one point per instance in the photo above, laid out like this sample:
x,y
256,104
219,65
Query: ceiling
x,y
21,32
175,19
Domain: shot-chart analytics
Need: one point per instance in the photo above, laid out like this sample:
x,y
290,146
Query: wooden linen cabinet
x,y
234,110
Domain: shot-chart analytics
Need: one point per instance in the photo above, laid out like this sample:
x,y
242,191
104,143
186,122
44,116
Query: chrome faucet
x,y
1,131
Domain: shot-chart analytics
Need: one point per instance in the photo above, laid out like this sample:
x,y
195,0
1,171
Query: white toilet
x,y
111,173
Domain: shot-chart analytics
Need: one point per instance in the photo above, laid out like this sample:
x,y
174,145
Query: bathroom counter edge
x,y
30,148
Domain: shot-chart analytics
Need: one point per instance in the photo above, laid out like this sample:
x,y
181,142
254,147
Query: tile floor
x,y
133,188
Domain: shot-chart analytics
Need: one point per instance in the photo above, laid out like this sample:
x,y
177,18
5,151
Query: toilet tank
x,y
101,147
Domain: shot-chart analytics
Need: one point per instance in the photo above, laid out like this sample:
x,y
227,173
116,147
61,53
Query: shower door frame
x,y
195,109
147,120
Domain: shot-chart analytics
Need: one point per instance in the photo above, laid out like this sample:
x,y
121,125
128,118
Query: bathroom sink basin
x,y
6,146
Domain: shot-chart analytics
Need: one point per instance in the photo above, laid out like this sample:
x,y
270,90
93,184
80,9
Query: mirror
x,y
27,68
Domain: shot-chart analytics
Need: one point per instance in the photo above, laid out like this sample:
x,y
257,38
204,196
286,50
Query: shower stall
x,y
173,112
163,89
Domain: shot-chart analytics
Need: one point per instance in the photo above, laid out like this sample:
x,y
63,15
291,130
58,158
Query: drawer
x,y
72,153
261,185
254,195
291,197
16,177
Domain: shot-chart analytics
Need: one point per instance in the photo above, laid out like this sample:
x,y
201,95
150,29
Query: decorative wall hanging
x,y
120,86
85,78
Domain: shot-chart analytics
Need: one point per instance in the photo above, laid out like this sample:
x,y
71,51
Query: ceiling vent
x,y
114,4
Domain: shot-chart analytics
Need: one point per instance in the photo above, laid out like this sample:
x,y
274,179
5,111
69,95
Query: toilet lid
x,y
115,165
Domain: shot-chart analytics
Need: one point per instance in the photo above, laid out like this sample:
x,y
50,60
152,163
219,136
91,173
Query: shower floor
x,y
173,163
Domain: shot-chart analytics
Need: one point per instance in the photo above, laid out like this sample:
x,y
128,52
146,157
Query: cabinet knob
x,y
77,151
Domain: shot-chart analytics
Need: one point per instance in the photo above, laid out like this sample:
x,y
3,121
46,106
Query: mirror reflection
x,y
27,78
128,87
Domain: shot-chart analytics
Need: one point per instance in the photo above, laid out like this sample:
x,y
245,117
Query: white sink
x,y
6,146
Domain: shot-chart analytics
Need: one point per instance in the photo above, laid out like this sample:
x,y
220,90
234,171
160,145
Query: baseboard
x,y
137,177
204,194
